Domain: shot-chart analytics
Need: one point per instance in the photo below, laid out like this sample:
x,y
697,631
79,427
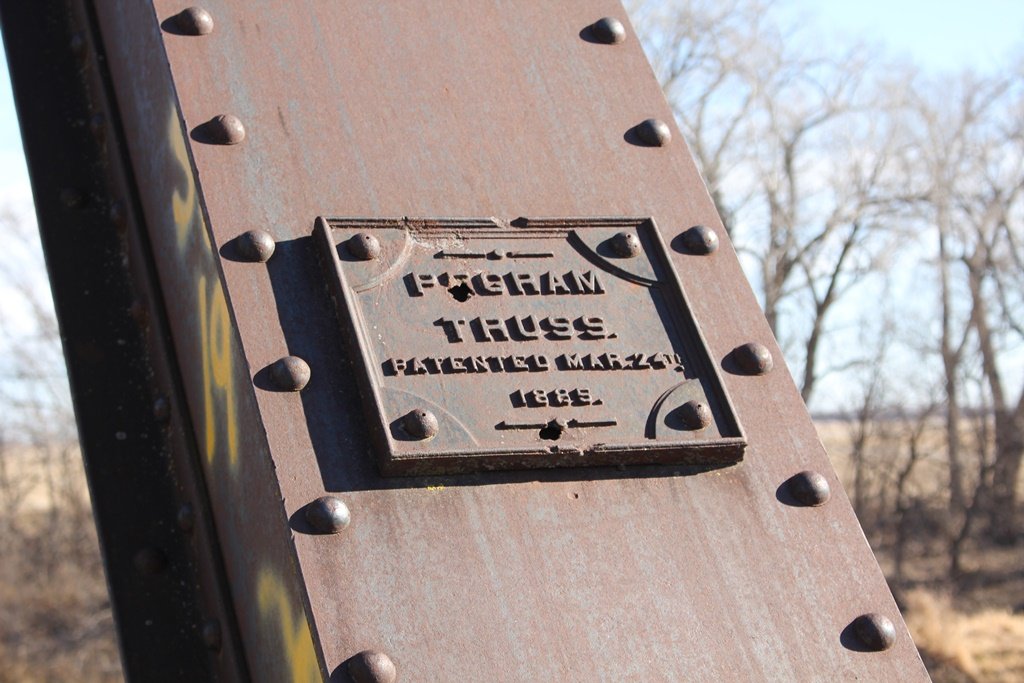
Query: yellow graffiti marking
x,y
215,347
294,631
183,207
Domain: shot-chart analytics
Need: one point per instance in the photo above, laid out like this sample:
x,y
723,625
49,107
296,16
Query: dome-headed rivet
x,y
224,129
328,515
608,30
809,488
256,246
370,666
625,244
363,246
695,414
420,424
654,133
700,240
290,373
875,631
753,359
194,21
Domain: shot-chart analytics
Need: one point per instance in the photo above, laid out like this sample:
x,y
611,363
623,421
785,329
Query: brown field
x,y
57,623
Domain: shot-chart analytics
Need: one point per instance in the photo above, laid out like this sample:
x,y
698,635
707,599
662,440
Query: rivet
x,y
654,132
363,246
256,246
225,129
875,631
328,515
290,373
695,414
625,244
608,30
370,666
420,424
161,409
150,561
700,240
194,21
809,488
186,518
211,634
753,359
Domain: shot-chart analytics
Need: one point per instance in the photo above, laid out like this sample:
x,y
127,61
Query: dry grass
x,y
56,623
988,646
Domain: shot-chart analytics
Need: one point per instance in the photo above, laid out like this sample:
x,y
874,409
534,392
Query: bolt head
x,y
256,246
608,30
328,515
809,488
225,129
363,246
420,424
370,666
290,373
700,240
695,415
875,631
625,245
753,359
654,133
194,21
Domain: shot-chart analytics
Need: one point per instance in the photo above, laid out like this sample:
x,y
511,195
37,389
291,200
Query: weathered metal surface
x,y
482,344
157,537
381,109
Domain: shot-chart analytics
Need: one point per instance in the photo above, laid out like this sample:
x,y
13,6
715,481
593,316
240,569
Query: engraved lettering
x,y
589,284
524,283
572,361
593,327
456,365
553,284
490,283
613,361
421,281
541,363
477,364
518,363
558,328
451,329
394,366
523,329
491,329
416,367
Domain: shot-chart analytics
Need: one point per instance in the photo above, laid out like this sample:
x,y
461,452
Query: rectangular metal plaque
x,y
538,343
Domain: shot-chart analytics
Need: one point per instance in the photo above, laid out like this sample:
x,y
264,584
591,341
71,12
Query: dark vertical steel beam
x,y
173,613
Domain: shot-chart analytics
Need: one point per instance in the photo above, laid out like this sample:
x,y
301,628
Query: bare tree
x,y
796,156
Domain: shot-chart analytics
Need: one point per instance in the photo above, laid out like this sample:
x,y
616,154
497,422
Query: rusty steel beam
x,y
476,386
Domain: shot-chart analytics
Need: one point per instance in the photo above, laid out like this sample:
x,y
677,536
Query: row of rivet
x,y
329,514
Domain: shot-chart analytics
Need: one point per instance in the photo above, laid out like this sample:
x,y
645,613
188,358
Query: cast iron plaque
x,y
541,343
